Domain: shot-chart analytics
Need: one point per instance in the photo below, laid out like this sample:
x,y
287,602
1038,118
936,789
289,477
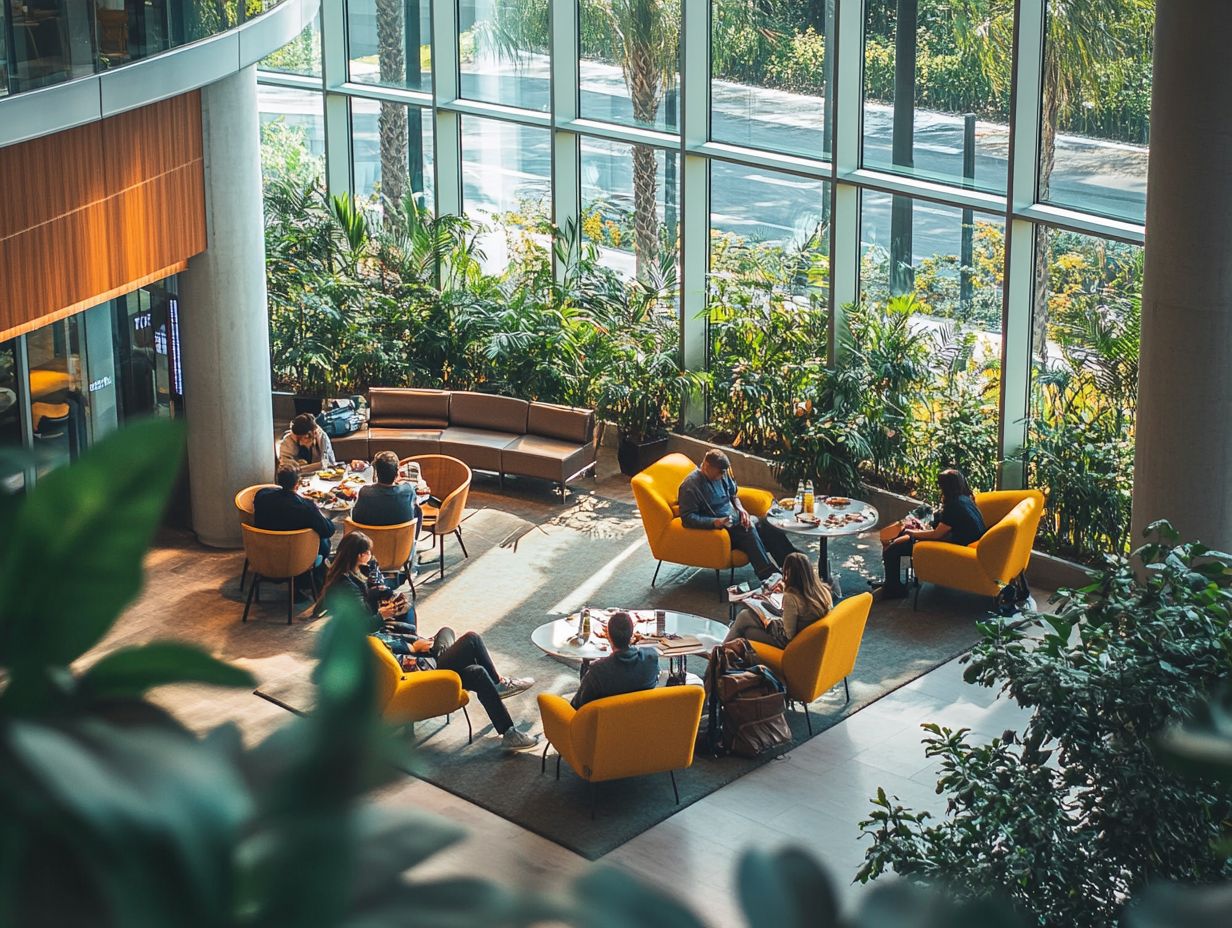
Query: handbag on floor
x,y
746,704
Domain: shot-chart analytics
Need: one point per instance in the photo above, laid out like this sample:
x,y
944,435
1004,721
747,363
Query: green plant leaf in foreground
x,y
785,889
73,557
130,672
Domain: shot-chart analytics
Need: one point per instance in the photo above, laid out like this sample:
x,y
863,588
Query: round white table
x,y
559,638
833,522
313,483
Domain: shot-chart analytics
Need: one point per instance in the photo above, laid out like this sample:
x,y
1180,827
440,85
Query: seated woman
x,y
958,523
805,600
353,569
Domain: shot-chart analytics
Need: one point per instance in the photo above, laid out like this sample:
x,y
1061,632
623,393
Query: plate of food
x,y
338,505
329,475
808,518
838,502
317,496
788,503
348,493
357,467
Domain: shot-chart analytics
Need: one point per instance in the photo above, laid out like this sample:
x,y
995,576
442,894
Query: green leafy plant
x,y
1078,813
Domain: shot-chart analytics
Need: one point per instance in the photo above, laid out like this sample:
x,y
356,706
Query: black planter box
x,y
635,457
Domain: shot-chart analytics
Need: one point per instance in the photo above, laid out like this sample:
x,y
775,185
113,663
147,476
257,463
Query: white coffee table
x,y
557,638
854,518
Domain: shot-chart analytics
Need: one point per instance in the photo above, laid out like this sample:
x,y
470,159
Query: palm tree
x,y
391,56
1077,35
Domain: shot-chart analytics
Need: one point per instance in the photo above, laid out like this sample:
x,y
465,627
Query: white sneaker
x,y
514,740
511,686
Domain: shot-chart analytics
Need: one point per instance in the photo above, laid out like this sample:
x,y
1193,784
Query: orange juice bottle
x,y
808,498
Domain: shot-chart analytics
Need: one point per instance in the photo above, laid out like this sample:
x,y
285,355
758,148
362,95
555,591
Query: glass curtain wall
x,y
861,150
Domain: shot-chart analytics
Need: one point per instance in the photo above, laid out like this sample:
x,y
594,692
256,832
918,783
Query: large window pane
x,y
770,75
630,65
928,332
1084,392
630,205
390,42
292,135
503,52
302,55
391,151
1095,121
936,104
767,318
506,183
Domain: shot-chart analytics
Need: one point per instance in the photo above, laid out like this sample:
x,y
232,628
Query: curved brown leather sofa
x,y
499,434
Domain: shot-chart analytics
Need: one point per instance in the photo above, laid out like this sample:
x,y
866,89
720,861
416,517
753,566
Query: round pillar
x,y
1184,435
224,321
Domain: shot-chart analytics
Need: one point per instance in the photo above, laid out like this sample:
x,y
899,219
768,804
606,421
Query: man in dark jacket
x,y
625,670
388,501
281,509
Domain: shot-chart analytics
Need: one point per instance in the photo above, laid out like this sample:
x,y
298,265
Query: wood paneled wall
x,y
95,211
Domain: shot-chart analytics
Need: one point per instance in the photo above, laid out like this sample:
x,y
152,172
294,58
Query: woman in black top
x,y
958,523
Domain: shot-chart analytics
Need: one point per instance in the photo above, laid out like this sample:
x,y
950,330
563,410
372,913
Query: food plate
x,y
788,503
838,502
338,505
331,476
808,518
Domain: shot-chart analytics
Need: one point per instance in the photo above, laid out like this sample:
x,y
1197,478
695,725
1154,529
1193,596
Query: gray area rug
x,y
532,561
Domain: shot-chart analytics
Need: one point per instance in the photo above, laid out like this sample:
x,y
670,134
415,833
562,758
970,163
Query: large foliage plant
x,y
1078,811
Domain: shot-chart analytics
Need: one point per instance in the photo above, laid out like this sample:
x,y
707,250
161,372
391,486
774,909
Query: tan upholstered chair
x,y
244,507
393,546
279,557
449,480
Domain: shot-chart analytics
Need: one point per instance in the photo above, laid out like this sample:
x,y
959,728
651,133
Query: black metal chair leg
x,y
656,573
731,575
442,559
672,774
558,766
256,580
290,599
243,575
718,584
808,719
543,762
847,689
458,532
470,732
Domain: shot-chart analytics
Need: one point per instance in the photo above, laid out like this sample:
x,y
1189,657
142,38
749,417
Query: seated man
x,y
708,500
389,501
281,509
305,446
626,670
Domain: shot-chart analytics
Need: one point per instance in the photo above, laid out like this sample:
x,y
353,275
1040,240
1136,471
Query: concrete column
x,y
223,320
1184,436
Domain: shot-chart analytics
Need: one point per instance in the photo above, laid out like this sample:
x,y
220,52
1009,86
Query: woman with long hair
x,y
805,600
958,523
354,570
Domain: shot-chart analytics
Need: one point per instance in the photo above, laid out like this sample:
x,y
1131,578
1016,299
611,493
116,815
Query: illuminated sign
x,y
101,384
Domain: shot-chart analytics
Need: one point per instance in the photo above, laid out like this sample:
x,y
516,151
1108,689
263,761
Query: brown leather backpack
x,y
746,704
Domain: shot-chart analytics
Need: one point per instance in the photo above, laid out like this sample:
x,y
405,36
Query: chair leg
x,y
656,573
808,719
256,581
244,575
290,599
915,605
847,689
458,532
558,766
470,732
442,559
718,584
672,774
731,575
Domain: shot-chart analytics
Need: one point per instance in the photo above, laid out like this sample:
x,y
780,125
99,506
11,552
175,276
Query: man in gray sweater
x,y
708,500
626,670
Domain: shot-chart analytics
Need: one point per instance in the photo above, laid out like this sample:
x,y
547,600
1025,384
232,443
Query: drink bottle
x,y
808,497
800,496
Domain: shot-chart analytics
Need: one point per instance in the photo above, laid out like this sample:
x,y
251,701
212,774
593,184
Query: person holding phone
x,y
805,600
708,499
353,569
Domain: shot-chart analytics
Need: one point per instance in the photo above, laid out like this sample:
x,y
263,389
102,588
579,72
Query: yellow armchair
x,y
657,491
634,734
404,697
821,655
996,561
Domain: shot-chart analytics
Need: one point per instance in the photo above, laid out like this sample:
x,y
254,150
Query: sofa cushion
x,y
394,407
404,443
487,411
353,447
480,448
566,423
548,458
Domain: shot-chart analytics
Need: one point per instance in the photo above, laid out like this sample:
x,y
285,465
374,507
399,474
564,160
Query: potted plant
x,y
642,389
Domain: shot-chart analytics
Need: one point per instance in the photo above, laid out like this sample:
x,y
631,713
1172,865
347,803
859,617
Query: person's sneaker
x,y
514,740
511,686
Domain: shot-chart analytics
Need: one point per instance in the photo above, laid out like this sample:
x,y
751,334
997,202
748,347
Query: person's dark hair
x,y
346,559
620,630
952,484
287,477
386,466
303,424
717,458
800,578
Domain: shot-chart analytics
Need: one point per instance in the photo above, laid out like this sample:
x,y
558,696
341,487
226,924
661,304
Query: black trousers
x,y
763,544
468,657
891,560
